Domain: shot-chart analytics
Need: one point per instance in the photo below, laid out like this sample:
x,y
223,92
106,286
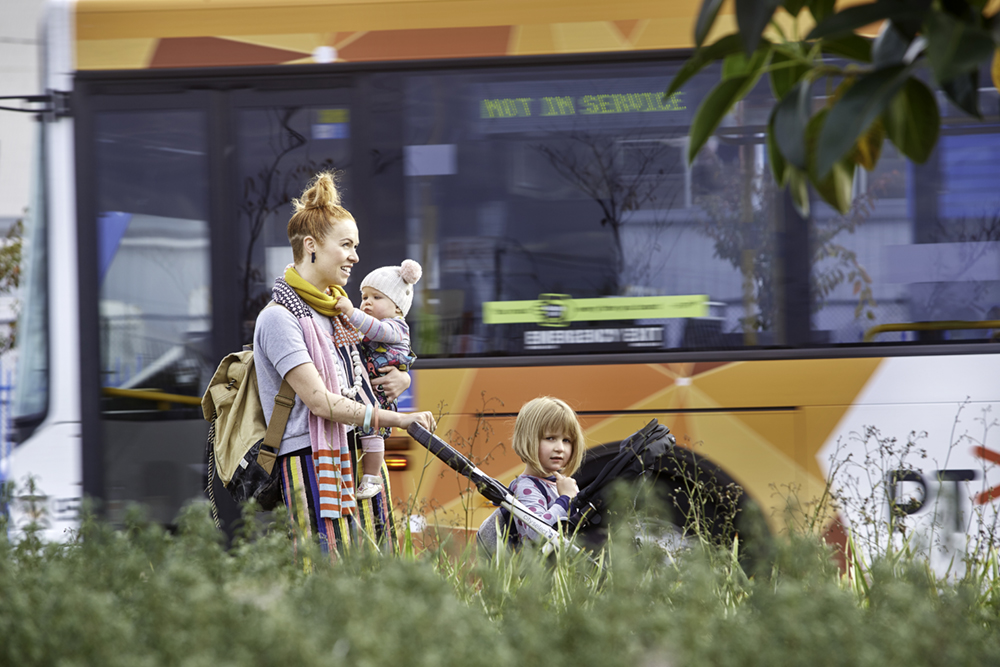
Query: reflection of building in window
x,y
122,341
623,174
741,217
661,163
155,314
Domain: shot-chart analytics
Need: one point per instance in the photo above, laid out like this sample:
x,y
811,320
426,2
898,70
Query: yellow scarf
x,y
321,302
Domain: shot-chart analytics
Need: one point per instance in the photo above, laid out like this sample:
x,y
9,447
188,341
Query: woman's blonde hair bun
x,y
321,193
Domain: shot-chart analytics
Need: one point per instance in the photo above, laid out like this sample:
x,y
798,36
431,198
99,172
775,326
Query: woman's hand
x,y
393,382
566,486
404,419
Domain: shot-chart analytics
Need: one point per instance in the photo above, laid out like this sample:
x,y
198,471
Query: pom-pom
x,y
410,271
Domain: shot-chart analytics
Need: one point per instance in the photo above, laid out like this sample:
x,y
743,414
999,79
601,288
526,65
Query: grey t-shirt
x,y
279,347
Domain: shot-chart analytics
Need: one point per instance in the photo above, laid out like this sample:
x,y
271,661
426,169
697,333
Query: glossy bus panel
x,y
779,428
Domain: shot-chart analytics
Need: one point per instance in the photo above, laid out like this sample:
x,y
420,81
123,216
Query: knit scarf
x,y
330,450
321,302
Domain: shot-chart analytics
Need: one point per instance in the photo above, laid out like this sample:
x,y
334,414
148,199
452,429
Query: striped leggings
x,y
372,522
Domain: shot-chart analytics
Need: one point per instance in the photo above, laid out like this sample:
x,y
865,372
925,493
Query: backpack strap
x,y
542,489
506,520
283,402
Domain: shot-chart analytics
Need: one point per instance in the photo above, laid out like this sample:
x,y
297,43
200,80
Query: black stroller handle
x,y
489,487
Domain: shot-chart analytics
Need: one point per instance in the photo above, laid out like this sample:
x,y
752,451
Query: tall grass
x,y
141,595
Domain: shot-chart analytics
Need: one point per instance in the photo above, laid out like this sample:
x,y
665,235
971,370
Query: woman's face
x,y
337,254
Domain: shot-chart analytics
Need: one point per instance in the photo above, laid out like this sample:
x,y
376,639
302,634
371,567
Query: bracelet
x,y
368,418
375,412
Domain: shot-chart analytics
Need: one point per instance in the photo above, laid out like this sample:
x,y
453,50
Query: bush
x,y
144,596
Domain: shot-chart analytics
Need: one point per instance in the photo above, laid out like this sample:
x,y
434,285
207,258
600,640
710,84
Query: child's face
x,y
376,304
554,452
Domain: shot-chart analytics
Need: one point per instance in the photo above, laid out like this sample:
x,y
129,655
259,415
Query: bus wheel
x,y
692,500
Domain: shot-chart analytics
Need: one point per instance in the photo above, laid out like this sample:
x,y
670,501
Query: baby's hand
x,y
344,306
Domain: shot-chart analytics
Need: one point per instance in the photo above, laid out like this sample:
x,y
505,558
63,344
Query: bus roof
x,y
139,34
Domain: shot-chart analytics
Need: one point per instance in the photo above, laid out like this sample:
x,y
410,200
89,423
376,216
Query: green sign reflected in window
x,y
558,310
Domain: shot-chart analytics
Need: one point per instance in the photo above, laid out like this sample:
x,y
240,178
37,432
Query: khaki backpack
x,y
241,447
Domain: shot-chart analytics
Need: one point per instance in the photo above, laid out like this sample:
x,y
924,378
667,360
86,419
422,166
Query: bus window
x,y
916,259
562,189
280,149
31,392
154,306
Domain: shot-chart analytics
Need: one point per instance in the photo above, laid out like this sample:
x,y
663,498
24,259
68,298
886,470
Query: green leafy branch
x,y
10,276
876,94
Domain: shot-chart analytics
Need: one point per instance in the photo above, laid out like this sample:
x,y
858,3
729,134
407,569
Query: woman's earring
x,y
314,258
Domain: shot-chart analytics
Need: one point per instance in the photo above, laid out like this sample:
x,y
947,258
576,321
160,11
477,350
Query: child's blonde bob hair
x,y
546,416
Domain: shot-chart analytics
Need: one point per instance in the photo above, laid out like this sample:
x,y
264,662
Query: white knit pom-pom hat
x,y
396,282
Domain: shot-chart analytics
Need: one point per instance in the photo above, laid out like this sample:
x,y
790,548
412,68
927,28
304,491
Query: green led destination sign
x,y
634,104
584,105
558,310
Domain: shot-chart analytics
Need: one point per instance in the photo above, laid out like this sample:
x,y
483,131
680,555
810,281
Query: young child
x,y
386,296
548,438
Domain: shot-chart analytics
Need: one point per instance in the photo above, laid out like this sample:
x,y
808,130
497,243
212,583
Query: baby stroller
x,y
649,453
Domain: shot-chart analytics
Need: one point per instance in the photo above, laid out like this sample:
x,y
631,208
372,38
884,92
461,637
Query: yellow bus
x,y
525,154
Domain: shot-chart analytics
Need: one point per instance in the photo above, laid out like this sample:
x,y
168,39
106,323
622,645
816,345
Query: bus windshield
x,y
32,390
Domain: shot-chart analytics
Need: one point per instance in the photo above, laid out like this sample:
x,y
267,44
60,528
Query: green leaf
x,y
798,187
963,91
793,7
912,120
713,109
995,69
855,111
850,46
955,47
779,167
848,20
785,73
869,147
726,46
706,18
837,184
791,116
890,46
752,16
820,9
737,64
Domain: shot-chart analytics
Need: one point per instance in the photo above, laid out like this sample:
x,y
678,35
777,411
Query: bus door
x,y
188,195
146,176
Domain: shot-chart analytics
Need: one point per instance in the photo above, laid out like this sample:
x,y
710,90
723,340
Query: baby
x,y
386,296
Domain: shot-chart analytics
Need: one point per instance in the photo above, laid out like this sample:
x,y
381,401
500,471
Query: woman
x,y
301,337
